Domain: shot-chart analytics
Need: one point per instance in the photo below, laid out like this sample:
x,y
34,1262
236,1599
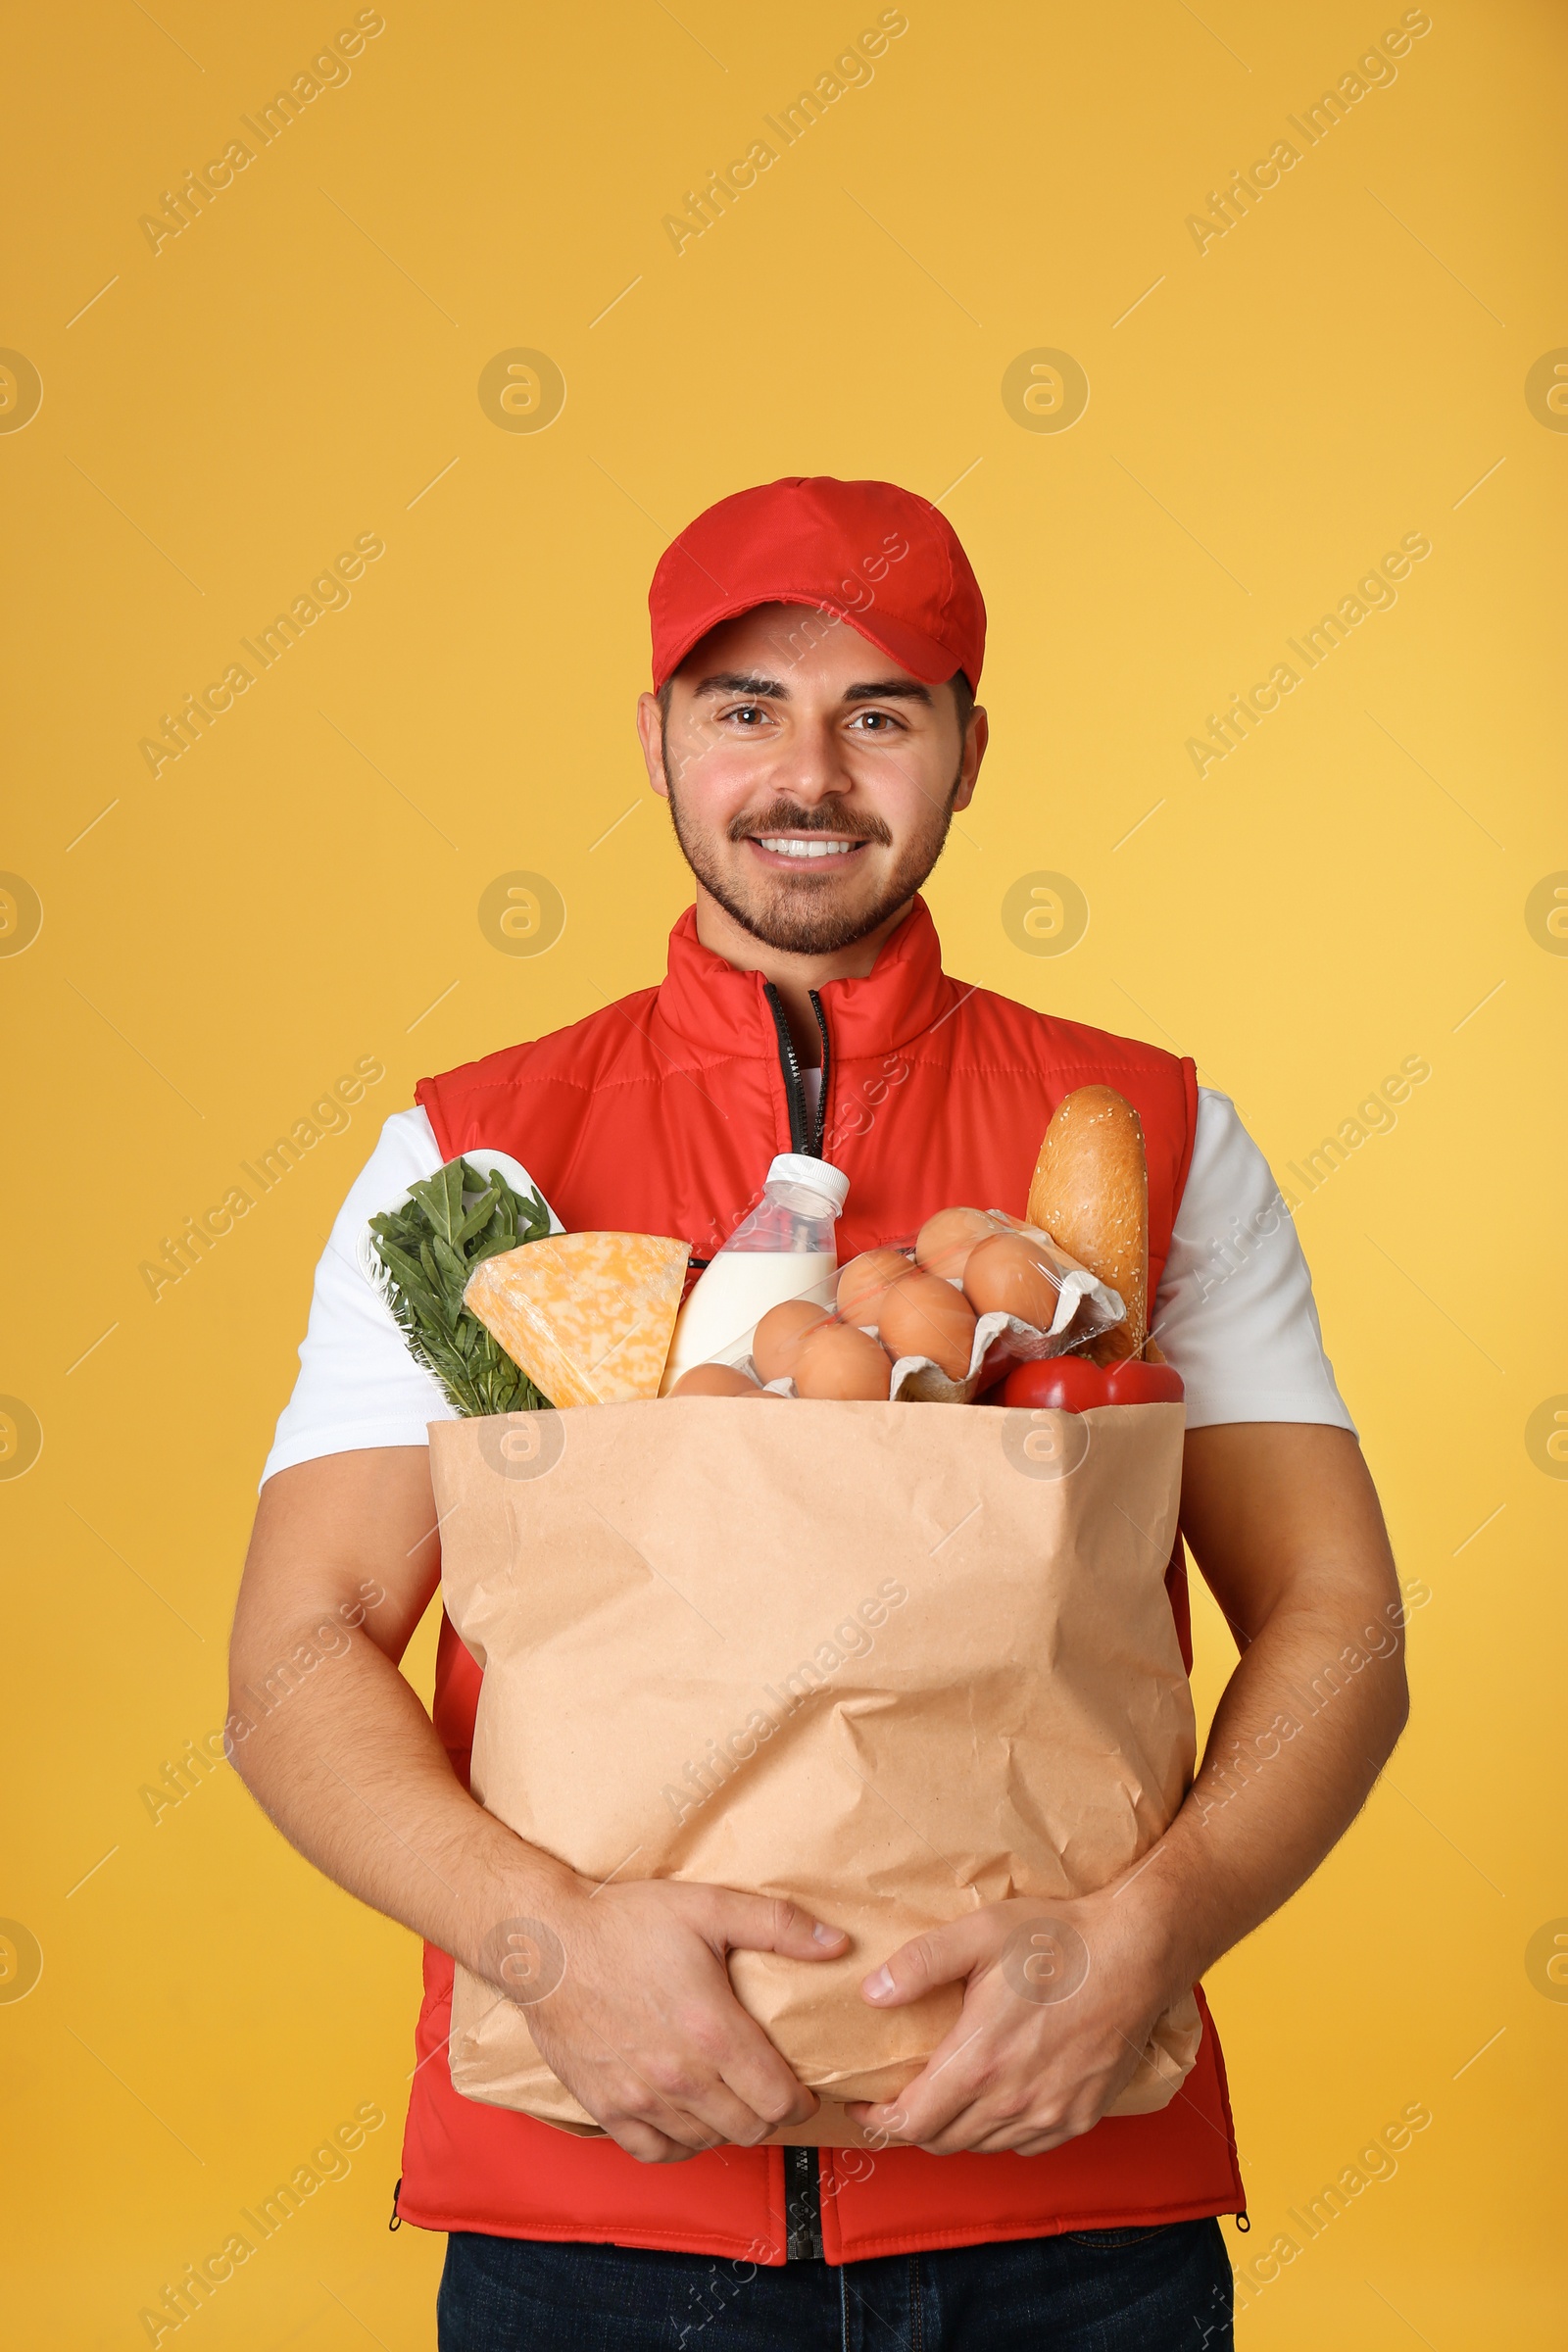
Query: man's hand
x,y
1050,2029
644,2028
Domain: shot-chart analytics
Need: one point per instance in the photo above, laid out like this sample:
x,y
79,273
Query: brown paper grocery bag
x,y
892,1661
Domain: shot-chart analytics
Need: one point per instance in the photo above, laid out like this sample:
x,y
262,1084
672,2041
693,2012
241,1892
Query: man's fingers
x,y
951,2080
673,2109
686,2069
646,2144
750,2065
714,2084
771,2091
920,2113
748,2097
760,1923
939,1957
741,2053
1012,2140
877,2122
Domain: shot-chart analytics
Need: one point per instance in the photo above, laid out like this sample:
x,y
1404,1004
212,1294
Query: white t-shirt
x,y
1234,1311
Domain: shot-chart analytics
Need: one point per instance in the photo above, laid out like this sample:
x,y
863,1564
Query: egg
x,y
863,1281
946,1240
1007,1275
839,1360
777,1335
922,1315
714,1380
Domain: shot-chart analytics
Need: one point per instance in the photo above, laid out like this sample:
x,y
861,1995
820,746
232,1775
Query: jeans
x,y
1088,2291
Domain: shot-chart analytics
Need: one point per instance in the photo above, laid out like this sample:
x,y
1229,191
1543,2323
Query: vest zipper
x,y
827,1073
396,2223
804,1136
803,2206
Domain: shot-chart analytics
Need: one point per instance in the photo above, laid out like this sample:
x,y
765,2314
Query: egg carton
x,y
1085,1307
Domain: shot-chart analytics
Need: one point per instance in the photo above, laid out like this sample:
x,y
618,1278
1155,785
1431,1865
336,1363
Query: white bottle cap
x,y
806,1174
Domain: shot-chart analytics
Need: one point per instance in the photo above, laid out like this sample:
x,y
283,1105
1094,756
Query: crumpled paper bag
x,y
892,1661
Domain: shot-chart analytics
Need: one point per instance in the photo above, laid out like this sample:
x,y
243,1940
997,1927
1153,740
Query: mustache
x,y
783,816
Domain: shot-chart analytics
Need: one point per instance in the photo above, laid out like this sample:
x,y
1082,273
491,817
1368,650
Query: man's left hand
x,y
1059,1999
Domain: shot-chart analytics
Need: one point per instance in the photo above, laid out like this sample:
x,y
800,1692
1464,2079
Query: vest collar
x,y
711,1005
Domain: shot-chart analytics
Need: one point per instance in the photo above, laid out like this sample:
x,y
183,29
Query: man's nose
x,y
812,766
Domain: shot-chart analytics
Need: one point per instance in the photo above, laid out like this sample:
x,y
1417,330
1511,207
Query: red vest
x,y
659,1115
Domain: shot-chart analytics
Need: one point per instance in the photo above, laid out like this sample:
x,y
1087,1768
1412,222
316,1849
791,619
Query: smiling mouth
x,y
816,845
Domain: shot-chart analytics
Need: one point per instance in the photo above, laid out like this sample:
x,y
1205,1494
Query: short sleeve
x,y
358,1383
1233,1313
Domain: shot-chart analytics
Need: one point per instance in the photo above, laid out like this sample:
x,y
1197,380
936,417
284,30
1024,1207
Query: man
x,y
813,727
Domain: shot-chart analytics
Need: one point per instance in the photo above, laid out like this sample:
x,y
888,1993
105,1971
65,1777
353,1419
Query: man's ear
x,y
976,735
651,735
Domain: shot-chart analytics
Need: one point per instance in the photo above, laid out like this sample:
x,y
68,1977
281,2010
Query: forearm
x,y
351,1769
1285,1522
324,1730
1298,1741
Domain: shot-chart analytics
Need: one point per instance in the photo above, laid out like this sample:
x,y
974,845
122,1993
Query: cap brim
x,y
919,655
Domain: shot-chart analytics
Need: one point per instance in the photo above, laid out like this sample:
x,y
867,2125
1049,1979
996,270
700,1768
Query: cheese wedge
x,y
588,1316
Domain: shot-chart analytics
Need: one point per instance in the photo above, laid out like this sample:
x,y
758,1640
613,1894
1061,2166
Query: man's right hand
x,y
644,2028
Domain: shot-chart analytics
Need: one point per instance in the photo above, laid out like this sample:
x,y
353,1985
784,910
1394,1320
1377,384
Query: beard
x,y
804,916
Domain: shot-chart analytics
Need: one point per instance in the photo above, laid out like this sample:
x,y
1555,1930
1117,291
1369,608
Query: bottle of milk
x,y
784,1249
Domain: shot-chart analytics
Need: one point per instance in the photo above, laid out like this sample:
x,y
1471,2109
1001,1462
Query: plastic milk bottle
x,y
784,1249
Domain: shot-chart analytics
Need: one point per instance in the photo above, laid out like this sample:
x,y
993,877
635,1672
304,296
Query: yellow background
x,y
1342,892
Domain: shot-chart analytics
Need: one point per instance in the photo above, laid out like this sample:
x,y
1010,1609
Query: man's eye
x,y
748,711
873,722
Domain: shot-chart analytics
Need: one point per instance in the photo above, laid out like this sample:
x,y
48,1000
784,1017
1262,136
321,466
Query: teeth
x,y
810,849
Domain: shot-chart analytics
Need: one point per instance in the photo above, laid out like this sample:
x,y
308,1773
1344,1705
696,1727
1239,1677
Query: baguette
x,y
1090,1194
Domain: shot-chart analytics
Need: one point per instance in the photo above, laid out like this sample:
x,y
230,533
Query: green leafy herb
x,y
427,1249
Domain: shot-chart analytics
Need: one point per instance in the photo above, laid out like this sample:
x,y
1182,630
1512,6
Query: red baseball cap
x,y
871,554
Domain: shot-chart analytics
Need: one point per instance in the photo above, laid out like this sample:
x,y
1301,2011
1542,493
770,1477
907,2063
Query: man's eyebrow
x,y
773,690
889,690
745,681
